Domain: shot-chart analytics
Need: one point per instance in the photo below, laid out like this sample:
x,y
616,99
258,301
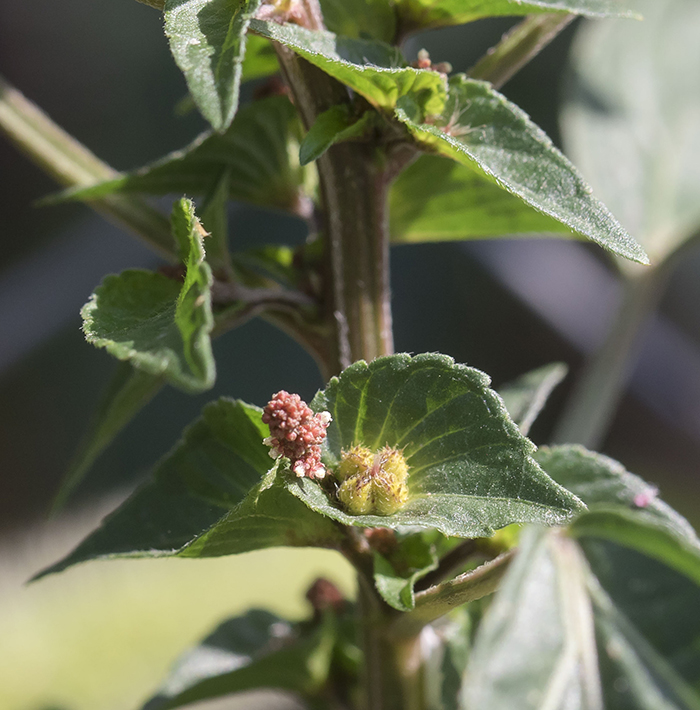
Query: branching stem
x,y
71,164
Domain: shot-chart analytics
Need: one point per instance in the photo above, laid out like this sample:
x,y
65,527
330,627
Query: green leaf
x,y
259,150
525,397
128,392
563,633
481,129
604,484
360,19
212,495
373,69
335,125
208,41
436,199
470,469
256,650
160,325
395,575
623,508
421,14
648,633
630,121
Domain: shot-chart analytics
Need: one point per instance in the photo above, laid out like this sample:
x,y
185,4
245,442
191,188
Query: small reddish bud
x,y
296,433
323,595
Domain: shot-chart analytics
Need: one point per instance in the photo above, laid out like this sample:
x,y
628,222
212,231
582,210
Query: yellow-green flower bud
x,y
372,483
353,462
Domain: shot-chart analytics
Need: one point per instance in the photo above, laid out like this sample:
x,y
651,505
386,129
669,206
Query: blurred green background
x,y
101,636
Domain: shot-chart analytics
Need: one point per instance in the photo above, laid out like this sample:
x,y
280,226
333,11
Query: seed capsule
x,y
372,483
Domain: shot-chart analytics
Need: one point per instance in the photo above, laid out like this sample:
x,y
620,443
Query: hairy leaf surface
x,y
436,199
373,69
481,129
208,40
212,495
160,325
470,469
623,508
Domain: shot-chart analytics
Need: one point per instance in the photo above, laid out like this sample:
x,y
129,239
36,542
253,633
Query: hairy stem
x,y
600,386
71,164
518,46
439,600
354,182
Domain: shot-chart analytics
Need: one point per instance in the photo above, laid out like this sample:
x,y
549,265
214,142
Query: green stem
x,y
354,183
443,598
381,680
71,164
598,390
518,46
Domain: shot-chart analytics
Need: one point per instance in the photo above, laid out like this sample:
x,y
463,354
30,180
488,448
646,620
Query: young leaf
x,y
421,14
630,120
208,40
157,323
335,125
481,129
210,496
436,199
256,650
258,150
470,469
129,391
525,397
396,575
580,627
360,19
375,70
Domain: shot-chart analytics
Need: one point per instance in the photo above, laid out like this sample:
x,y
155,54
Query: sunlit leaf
x,y
208,40
470,469
436,199
373,69
481,129
159,324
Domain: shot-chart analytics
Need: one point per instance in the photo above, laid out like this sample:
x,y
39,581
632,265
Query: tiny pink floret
x,y
642,500
297,433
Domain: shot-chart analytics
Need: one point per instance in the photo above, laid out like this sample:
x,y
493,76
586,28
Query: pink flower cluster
x,y
297,433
